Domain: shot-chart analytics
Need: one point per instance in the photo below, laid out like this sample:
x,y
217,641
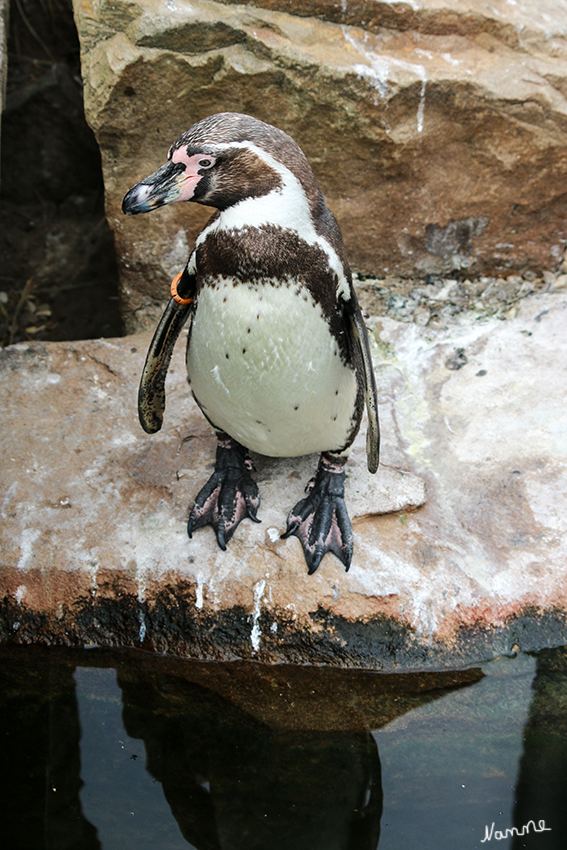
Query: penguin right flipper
x,y
359,336
229,496
151,394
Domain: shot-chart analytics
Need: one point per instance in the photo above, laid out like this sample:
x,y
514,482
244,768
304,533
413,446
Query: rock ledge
x,y
93,539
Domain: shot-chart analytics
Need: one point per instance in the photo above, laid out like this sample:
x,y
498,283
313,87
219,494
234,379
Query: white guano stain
x,y
142,631
421,107
10,493
259,588
379,71
124,439
291,607
141,578
29,536
451,60
199,593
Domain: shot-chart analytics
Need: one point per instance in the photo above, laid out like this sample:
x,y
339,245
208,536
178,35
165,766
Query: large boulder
x,y
460,537
437,130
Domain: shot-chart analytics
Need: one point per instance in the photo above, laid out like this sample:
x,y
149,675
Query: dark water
x,y
119,751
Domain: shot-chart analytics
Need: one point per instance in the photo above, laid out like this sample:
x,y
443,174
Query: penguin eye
x,y
205,163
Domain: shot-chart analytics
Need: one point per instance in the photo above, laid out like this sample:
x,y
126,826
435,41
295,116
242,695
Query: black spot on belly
x,y
226,355
296,407
244,351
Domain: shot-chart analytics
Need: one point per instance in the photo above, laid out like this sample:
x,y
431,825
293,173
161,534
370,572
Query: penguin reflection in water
x,y
277,352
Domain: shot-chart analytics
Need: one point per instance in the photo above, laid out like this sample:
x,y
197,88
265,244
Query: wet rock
x,y
94,545
436,130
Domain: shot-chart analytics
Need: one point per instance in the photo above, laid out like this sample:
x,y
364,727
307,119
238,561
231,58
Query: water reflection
x,y
541,790
232,782
40,758
449,769
116,751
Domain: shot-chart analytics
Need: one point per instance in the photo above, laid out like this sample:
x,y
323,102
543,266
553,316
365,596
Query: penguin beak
x,y
162,187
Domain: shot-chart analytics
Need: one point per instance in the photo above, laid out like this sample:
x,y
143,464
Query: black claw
x,y
220,538
320,521
229,496
291,527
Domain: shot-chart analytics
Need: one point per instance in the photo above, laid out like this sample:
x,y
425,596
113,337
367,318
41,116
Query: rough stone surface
x,y
94,547
437,129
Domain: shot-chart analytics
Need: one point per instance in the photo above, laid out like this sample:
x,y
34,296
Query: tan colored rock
x,y
437,130
101,508
93,538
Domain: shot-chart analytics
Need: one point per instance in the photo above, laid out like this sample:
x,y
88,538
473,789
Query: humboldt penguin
x,y
278,357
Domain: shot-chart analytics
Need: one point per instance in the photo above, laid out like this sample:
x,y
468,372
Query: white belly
x,y
265,368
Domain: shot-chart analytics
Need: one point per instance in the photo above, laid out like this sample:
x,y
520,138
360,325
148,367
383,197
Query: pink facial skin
x,y
193,165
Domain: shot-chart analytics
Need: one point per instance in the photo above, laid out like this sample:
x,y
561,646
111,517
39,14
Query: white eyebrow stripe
x,y
286,206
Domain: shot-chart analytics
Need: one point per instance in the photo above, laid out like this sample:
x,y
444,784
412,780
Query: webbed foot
x,y
229,495
320,521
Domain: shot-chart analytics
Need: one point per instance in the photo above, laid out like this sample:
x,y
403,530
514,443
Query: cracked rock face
x,y
460,538
437,130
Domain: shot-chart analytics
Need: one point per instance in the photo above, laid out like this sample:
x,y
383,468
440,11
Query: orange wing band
x,y
174,294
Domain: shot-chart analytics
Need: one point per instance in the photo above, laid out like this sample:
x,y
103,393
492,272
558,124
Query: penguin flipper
x,y
320,521
359,336
229,495
151,393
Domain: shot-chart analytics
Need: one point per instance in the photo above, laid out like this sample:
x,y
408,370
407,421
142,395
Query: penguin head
x,y
182,178
220,161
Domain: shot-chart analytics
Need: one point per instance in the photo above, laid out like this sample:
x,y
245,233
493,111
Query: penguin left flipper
x,y
359,337
151,394
229,496
321,521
